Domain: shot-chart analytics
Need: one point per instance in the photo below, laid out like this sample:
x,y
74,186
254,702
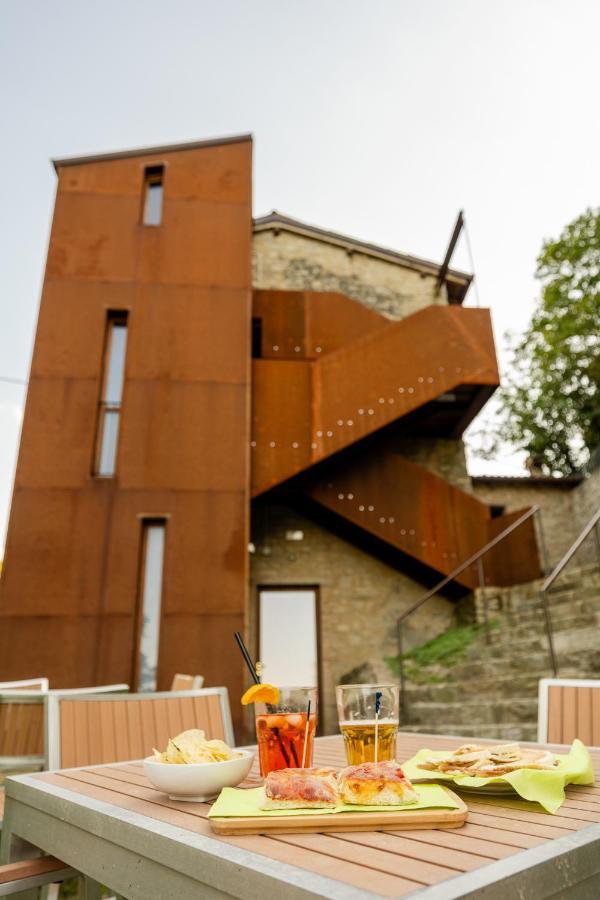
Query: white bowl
x,y
197,781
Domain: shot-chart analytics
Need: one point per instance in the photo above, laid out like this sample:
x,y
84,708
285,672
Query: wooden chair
x,y
569,708
22,723
21,729
87,730
187,682
30,684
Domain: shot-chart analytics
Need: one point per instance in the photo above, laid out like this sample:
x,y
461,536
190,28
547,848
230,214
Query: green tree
x,y
550,404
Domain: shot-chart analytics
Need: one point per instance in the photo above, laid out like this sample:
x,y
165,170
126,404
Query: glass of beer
x,y
360,724
282,730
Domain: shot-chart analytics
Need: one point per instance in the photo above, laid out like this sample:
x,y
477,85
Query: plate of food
x,y
476,761
194,768
533,773
363,797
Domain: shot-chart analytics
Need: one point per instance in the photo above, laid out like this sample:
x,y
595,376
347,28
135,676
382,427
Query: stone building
x,y
361,594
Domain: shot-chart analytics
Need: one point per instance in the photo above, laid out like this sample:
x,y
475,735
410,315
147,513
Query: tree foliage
x,y
550,404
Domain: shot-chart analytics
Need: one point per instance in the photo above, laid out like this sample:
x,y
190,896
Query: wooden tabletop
x,y
385,864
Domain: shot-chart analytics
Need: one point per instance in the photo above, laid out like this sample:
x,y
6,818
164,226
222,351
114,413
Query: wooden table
x,y
109,823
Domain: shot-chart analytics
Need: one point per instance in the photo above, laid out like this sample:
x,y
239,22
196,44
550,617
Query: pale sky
x,y
379,119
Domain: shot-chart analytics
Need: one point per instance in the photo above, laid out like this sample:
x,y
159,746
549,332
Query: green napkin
x,y
544,787
240,802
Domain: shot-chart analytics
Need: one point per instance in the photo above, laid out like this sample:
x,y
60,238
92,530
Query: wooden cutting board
x,y
392,820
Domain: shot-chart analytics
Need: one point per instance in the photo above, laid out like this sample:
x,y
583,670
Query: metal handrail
x,y
571,551
475,558
577,543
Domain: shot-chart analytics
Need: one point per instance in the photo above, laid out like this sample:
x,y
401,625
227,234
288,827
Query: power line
x,y
471,261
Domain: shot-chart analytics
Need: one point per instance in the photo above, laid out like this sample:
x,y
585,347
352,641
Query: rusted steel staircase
x,y
416,512
307,410
322,414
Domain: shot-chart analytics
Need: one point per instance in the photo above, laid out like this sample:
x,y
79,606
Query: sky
x,y
377,119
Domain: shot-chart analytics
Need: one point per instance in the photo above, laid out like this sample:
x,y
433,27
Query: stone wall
x,y
360,597
443,457
586,501
565,508
293,262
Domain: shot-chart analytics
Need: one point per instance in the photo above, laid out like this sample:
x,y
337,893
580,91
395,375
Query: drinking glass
x,y
359,725
281,730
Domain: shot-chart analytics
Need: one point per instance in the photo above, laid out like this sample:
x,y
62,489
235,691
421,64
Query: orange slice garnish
x,y
261,693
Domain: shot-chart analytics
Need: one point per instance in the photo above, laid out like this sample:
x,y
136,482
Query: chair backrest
x,y
22,721
21,728
187,682
93,730
569,708
29,684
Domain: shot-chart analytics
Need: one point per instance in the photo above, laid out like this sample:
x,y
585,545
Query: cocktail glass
x,y
360,725
281,729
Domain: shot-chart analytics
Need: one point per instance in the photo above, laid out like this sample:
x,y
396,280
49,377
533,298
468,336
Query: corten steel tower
x,y
131,499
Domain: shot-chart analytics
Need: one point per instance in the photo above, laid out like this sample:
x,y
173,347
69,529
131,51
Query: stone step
x,y
526,609
523,685
507,633
511,731
575,639
559,614
524,662
491,711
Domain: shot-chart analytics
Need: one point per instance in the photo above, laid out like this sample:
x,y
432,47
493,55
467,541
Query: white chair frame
x,y
27,683
543,691
52,722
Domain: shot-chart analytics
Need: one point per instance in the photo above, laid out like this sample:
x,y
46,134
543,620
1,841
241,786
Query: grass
x,y
442,652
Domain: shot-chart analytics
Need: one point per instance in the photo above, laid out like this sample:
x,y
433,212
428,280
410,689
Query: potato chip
x,y
192,747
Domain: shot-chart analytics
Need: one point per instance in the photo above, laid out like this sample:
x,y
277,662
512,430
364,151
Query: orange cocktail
x,y
284,733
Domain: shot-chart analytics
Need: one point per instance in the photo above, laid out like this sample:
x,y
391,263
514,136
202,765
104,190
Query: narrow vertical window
x,y
109,410
256,338
153,195
150,594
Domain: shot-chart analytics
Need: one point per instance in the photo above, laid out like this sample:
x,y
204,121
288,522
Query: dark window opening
x,y
153,195
256,338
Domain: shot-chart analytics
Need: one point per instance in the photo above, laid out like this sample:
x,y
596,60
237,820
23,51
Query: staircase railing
x,y
592,526
476,558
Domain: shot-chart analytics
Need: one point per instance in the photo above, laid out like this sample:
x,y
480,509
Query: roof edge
x,y
149,151
276,219
549,480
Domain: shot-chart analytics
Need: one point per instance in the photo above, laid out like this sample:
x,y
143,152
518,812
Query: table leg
x,y
92,889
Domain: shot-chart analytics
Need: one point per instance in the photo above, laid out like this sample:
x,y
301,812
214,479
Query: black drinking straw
x,y
306,730
247,657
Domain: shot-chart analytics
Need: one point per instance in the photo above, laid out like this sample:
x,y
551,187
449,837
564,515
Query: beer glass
x,y
361,727
281,729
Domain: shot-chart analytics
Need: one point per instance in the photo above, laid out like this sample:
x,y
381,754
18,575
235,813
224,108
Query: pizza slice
x,y
376,784
301,789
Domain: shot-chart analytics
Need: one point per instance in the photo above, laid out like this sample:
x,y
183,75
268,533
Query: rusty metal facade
x,y
69,604
305,411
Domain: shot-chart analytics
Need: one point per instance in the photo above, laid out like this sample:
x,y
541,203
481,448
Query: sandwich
x,y
376,784
314,788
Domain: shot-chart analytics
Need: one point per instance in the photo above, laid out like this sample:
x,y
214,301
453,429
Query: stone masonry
x,y
293,262
360,597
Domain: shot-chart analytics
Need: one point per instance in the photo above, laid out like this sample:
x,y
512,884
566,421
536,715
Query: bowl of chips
x,y
193,768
